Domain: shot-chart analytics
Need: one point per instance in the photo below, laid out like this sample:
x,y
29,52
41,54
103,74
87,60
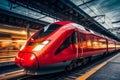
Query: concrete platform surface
x,y
110,71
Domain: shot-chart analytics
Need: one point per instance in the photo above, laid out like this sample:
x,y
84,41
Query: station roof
x,y
99,12
106,12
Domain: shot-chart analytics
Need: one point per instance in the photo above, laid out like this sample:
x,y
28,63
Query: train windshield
x,y
46,30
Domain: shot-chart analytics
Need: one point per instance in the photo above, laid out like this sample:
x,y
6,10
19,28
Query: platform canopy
x,y
106,12
101,16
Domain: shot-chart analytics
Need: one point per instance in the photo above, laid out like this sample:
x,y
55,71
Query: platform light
x,y
39,47
23,32
13,31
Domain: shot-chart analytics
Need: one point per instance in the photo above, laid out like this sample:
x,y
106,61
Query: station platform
x,y
108,70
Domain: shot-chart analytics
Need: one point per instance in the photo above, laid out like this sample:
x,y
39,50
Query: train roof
x,y
83,29
62,22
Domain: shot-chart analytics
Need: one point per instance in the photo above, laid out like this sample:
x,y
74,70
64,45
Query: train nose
x,y
28,61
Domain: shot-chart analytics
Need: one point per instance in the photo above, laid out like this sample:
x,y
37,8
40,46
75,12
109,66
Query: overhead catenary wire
x,y
101,12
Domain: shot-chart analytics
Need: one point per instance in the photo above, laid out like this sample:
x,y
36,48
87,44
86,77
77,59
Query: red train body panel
x,y
55,46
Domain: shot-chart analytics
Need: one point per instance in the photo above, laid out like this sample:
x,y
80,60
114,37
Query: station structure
x,y
19,19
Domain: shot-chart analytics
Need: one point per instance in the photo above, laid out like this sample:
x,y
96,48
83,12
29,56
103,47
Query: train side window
x,y
73,37
84,40
70,40
80,39
95,42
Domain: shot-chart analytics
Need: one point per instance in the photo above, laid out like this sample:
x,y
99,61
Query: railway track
x,y
54,76
8,68
11,75
63,75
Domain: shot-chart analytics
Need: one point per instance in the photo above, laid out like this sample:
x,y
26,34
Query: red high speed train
x,y
61,46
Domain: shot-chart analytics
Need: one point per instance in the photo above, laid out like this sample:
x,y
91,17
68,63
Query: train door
x,y
74,39
77,44
106,45
80,45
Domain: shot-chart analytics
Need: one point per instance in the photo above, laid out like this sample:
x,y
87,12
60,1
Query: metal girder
x,y
39,9
65,10
17,17
86,2
114,29
116,22
98,16
94,25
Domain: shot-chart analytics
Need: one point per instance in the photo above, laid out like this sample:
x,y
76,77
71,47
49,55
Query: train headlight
x,y
39,47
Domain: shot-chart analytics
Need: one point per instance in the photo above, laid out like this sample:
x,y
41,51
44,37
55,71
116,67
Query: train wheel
x,y
75,65
85,61
79,64
90,59
68,68
104,54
